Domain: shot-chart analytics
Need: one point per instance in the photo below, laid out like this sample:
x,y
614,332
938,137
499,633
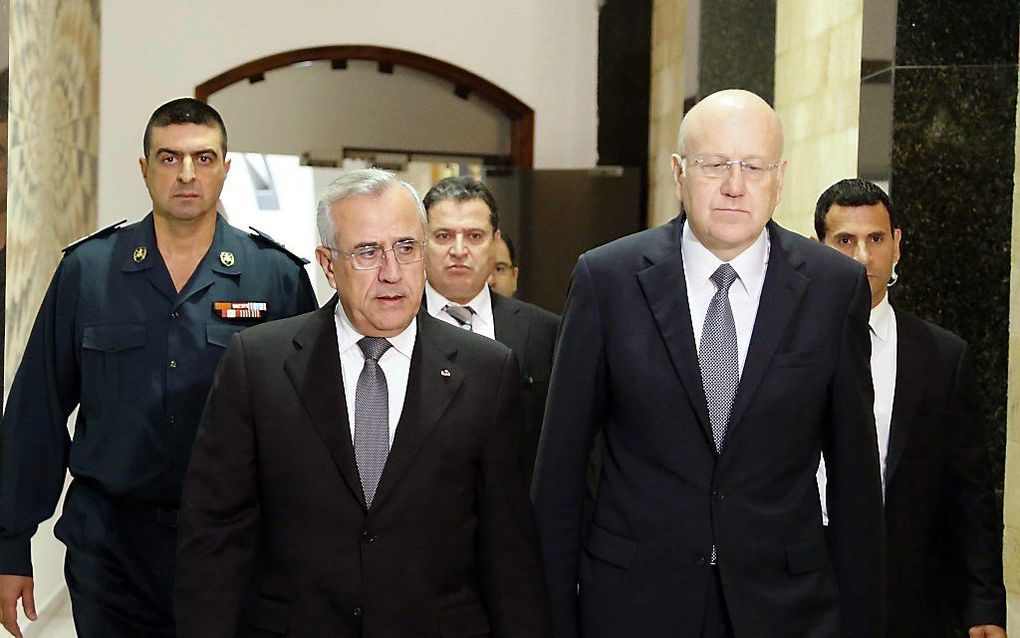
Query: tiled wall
x,y
817,95
667,106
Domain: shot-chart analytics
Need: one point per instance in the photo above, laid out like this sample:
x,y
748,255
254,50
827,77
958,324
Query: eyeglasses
x,y
716,167
408,251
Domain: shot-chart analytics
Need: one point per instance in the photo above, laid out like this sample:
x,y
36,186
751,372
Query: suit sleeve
x,y
220,508
514,584
35,441
974,529
574,412
854,491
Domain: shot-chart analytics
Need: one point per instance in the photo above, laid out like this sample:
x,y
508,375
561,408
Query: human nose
x,y
458,247
187,172
861,253
733,183
390,271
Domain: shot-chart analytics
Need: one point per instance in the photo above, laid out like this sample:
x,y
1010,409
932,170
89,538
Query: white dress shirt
x,y
883,376
482,322
745,293
395,364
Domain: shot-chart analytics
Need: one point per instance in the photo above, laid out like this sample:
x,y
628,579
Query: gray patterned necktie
x,y
371,417
464,315
717,356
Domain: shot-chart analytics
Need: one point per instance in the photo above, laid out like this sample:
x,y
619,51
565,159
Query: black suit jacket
x,y
627,365
530,332
276,539
943,528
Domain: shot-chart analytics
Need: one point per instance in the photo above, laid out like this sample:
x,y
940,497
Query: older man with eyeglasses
x,y
719,356
356,472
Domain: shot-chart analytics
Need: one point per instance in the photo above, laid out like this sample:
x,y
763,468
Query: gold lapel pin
x,y
444,372
140,253
227,258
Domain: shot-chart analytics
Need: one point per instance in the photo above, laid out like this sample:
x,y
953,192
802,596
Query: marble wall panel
x,y
817,95
737,46
666,106
953,156
1011,508
53,150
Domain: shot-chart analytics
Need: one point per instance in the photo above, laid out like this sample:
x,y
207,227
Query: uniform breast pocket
x,y
113,361
219,334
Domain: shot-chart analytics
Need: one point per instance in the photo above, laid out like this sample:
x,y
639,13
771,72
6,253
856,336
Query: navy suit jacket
x,y
627,366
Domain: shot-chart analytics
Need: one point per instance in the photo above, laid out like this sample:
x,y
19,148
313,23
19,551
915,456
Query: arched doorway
x,y
464,84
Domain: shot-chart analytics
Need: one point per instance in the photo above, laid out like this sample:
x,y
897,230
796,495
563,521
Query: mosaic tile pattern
x,y
54,142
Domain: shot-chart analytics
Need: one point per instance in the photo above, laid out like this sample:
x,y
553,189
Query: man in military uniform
x,y
131,330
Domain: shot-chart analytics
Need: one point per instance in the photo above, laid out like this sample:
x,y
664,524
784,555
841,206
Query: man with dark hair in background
x,y
130,331
463,228
504,275
940,508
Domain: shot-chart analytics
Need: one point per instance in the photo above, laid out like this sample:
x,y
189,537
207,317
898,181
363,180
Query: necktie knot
x,y
724,276
373,347
464,315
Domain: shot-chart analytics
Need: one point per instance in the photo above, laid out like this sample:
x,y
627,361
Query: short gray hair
x,y
363,181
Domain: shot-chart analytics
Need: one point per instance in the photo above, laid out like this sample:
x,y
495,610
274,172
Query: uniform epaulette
x,y
102,232
259,235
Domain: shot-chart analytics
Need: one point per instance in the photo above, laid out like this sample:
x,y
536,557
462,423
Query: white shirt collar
x,y
348,336
700,263
481,303
881,318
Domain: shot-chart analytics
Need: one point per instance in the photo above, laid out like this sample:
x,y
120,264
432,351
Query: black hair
x,y
185,110
510,249
463,189
851,192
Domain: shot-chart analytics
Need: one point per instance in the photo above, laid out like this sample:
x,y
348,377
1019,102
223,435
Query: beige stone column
x,y
667,106
54,120
817,95
1011,511
54,140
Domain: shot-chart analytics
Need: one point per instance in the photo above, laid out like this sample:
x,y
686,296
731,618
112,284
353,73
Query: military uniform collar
x,y
226,254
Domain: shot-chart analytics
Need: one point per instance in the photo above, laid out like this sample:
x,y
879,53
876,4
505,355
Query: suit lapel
x,y
432,383
665,290
780,296
912,363
314,369
510,331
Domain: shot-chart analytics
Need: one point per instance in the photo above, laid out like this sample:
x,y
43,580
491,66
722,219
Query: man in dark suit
x,y
719,355
940,509
301,519
463,233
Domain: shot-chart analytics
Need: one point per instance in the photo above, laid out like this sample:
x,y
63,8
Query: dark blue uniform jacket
x,y
114,337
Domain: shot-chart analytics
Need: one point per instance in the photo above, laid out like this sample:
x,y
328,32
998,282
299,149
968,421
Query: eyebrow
x,y
462,230
376,244
177,153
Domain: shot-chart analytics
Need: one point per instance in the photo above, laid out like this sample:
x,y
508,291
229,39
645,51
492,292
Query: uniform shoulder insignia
x,y
258,235
102,232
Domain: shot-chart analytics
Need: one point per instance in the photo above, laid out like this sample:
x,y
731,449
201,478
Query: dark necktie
x,y
371,417
717,355
463,315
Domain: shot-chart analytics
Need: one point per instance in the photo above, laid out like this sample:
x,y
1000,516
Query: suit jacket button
x,y
718,495
357,611
365,536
